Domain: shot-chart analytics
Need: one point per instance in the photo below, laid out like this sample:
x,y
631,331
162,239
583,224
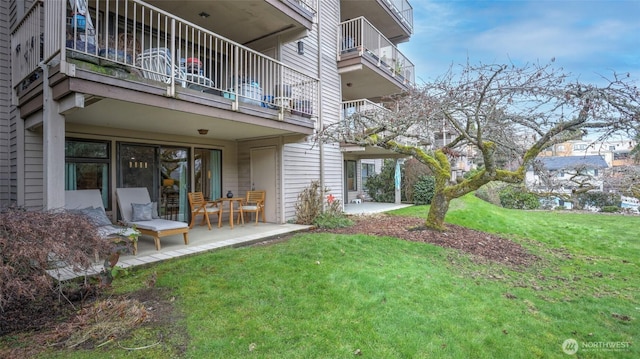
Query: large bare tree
x,y
507,114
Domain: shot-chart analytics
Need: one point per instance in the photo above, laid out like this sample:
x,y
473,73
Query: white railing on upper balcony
x,y
356,114
358,35
309,5
403,10
359,115
162,47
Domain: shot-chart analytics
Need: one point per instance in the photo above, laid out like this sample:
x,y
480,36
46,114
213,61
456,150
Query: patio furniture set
x,y
140,215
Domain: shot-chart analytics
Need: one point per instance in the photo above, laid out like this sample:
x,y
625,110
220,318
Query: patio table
x,y
231,202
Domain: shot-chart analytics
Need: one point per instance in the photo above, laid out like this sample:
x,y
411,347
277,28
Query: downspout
x,y
320,117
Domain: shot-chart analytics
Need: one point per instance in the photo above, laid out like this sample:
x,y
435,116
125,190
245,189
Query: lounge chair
x,y
89,202
143,216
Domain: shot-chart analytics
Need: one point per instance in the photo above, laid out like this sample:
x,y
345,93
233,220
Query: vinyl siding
x,y
301,167
302,161
33,170
5,104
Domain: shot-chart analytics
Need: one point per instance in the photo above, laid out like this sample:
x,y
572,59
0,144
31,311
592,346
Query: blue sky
x,y
587,38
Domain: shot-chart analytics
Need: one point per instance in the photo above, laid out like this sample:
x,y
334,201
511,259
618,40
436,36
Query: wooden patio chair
x,y
254,203
201,207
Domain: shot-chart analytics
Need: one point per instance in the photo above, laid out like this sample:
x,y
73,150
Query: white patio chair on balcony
x,y
156,64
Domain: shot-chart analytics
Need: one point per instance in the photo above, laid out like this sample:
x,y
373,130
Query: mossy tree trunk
x,y
445,191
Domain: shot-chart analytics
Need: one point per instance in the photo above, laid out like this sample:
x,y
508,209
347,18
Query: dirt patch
x,y
483,246
103,320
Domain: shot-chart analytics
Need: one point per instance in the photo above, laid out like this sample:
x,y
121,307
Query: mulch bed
x,y
480,244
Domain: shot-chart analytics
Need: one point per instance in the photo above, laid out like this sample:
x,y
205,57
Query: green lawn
x,y
336,296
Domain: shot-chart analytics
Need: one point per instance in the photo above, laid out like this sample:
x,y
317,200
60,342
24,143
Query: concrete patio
x,y
201,239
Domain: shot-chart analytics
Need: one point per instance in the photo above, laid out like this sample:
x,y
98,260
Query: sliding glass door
x,y
164,171
208,172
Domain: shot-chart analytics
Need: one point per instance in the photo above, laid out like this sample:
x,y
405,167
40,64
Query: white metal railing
x,y
162,47
403,10
359,35
356,114
309,5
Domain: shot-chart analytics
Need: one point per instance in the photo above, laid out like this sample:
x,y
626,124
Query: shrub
x,y
412,171
517,197
424,189
490,192
381,186
333,216
610,209
32,242
309,204
332,220
309,208
598,199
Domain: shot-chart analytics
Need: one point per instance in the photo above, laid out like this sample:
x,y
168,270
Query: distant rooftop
x,y
567,162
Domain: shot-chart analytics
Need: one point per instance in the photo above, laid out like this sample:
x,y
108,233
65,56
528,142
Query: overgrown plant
x,y
34,245
333,216
310,208
310,203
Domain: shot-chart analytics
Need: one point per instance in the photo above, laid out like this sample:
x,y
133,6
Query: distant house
x,y
564,175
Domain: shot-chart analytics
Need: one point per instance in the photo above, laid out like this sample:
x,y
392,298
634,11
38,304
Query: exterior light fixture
x,y
204,15
203,131
300,48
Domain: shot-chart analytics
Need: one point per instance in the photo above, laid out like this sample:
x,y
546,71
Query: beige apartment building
x,y
178,96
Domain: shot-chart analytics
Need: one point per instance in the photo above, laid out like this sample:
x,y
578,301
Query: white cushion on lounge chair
x,y
159,224
156,227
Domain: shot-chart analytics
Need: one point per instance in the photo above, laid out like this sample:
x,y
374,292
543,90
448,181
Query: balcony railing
x,y
310,6
160,48
357,114
359,36
403,11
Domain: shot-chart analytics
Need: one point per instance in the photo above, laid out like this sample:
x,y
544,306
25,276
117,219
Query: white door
x,y
264,177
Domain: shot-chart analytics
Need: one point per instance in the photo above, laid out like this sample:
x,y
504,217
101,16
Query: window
x,y
580,147
368,169
87,166
350,170
560,148
620,156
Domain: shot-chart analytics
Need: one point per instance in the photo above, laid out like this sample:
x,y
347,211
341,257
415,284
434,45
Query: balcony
x,y
258,24
354,114
394,18
155,65
371,66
